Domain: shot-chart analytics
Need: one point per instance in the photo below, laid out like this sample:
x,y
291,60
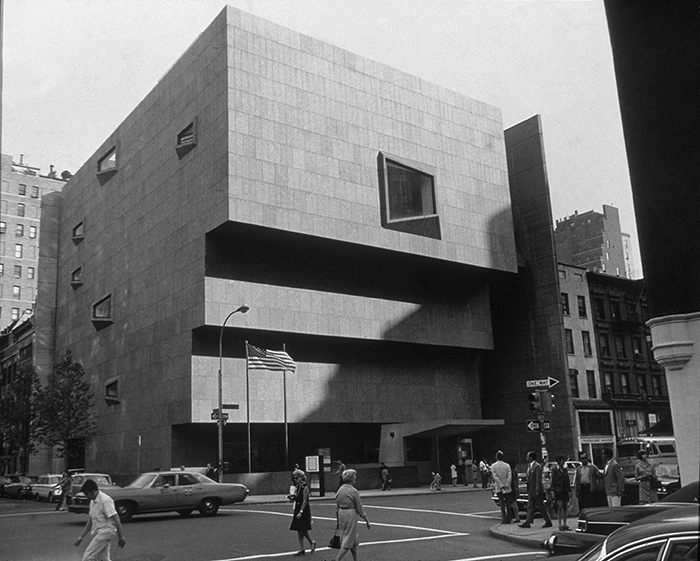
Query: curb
x,y
532,541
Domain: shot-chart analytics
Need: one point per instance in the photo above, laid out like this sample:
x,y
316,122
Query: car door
x,y
189,491
161,495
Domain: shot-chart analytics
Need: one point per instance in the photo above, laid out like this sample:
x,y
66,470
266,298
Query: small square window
x,y
102,312
30,272
19,230
186,140
78,232
18,271
102,309
76,277
108,162
19,251
17,292
22,189
32,232
35,192
15,314
21,209
112,391
3,226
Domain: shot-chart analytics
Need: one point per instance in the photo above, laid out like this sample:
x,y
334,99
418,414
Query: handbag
x,y
335,540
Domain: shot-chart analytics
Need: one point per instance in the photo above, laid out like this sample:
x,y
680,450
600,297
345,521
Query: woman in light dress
x,y
348,512
644,472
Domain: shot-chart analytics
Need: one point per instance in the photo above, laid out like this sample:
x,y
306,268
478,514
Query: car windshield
x,y
667,470
143,480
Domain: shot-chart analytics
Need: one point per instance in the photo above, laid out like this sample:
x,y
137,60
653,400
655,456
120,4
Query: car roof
x,y
687,494
676,520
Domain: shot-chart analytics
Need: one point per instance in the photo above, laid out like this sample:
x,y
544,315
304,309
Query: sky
x,y
74,69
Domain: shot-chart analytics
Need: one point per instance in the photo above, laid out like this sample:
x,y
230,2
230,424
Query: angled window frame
x,y
111,391
423,223
76,277
186,139
101,312
108,164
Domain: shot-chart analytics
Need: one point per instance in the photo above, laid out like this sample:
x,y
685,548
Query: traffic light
x,y
547,402
535,401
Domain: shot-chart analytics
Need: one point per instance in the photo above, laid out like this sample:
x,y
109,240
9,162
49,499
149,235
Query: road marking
x,y
502,555
484,514
333,519
286,553
35,513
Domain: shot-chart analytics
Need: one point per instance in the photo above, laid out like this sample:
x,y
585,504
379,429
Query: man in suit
x,y
535,493
613,479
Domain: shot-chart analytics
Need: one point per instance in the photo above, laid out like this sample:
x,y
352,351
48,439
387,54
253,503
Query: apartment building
x,y
23,188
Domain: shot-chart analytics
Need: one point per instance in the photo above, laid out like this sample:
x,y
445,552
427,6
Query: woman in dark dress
x,y
562,490
301,520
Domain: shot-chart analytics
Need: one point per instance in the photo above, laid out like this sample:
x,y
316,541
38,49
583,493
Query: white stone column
x,y
676,347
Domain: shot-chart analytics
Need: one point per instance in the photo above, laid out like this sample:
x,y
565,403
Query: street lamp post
x,y
220,421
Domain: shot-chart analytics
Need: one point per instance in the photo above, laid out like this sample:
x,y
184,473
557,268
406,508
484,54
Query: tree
x,y
16,414
63,407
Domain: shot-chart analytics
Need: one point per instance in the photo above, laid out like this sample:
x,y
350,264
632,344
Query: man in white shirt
x,y
103,522
501,482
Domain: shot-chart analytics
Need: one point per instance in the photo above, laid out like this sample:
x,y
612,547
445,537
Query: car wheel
x,y
185,512
209,507
125,510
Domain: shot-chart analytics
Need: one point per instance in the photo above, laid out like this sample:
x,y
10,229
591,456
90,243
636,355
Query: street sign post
x,y
535,425
546,383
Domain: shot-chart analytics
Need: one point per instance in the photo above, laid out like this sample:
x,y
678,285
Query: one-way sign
x,y
547,383
215,416
533,425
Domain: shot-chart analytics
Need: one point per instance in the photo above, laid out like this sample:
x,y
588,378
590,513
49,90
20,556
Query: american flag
x,y
263,359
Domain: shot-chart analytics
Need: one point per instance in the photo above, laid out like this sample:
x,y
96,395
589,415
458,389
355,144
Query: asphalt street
x,y
454,525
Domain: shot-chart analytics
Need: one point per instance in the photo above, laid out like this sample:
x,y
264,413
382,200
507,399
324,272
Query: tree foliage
x,y
16,413
63,407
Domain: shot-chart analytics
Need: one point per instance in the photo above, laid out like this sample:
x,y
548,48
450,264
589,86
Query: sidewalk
x,y
529,537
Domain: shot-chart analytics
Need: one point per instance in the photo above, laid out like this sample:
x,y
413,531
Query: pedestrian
x,y
645,473
386,480
502,484
512,497
535,493
339,473
301,519
65,483
347,513
212,472
587,482
103,522
561,489
436,483
475,473
453,475
613,479
485,472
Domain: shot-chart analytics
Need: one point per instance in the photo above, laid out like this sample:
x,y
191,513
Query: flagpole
x,y
247,407
286,426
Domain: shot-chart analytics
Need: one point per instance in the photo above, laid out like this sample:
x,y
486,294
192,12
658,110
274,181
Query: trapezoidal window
x,y
107,165
186,140
407,191
102,312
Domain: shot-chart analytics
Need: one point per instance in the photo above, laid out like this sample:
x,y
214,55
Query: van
x,y
661,452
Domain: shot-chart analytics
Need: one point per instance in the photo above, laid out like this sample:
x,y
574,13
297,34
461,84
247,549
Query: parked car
x,y
596,523
47,487
102,479
671,535
19,487
164,491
